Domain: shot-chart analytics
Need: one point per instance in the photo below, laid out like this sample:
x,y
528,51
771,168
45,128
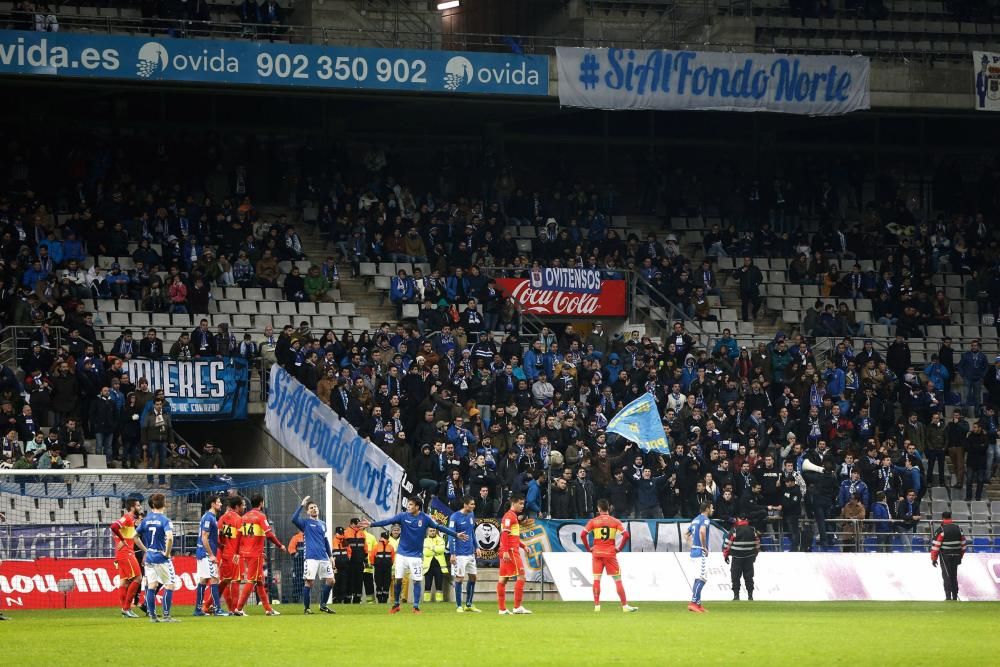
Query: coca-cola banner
x,y
62,583
581,296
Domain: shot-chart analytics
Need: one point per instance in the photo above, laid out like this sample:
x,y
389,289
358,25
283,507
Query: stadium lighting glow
x,y
450,4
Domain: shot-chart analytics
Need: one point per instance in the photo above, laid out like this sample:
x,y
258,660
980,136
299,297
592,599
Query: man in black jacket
x,y
949,544
102,423
742,548
750,279
791,510
751,506
560,500
619,494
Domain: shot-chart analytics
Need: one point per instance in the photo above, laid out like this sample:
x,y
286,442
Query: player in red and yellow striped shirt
x,y
253,531
229,551
600,537
129,574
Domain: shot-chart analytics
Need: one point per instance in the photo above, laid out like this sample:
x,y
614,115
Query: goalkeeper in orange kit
x,y
600,538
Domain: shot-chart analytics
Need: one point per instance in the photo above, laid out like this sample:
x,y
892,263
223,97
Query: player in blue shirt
x,y
463,554
318,556
410,552
697,537
156,537
208,563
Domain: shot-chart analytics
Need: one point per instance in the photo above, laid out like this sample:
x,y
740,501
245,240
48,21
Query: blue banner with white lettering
x,y
580,281
205,61
640,422
707,81
200,389
314,434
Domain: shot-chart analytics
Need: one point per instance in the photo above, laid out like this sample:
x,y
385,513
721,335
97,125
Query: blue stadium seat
x,y
897,545
767,543
919,544
870,544
981,545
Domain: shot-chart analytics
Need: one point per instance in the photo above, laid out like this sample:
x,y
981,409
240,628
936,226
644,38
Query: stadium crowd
x,y
769,433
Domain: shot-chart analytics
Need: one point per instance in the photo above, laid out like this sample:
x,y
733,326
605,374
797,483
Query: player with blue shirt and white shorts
x,y
697,537
208,561
463,554
410,552
155,536
319,556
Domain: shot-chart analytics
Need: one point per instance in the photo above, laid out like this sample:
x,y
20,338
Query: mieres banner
x,y
551,292
205,61
987,80
782,577
706,81
544,536
202,389
314,434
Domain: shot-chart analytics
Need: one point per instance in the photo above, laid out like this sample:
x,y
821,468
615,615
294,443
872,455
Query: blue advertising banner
x,y
55,541
203,389
706,81
558,535
580,281
204,61
639,421
314,434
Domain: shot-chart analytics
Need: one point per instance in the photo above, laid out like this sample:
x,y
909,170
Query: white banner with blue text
x,y
314,434
709,81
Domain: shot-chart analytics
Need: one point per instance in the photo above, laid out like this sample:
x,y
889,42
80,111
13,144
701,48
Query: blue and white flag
x,y
639,421
314,434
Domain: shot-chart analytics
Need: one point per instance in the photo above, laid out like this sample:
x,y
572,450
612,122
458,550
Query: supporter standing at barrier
x,y
949,544
697,537
742,548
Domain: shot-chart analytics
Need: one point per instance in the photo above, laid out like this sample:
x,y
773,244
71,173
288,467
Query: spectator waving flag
x,y
639,421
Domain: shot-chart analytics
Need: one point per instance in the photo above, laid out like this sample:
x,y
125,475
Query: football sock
x,y
168,599
325,595
262,594
245,595
150,602
306,595
416,593
234,594
597,591
133,588
470,591
215,597
502,596
199,596
458,593
397,590
698,585
121,596
620,587
518,593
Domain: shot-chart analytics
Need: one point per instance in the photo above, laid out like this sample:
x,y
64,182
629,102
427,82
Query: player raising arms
x,y
319,557
511,565
129,574
600,538
208,561
229,551
463,554
156,537
254,530
410,553
697,537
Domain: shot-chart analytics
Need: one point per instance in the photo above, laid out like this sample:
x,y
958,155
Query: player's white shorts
x,y
699,566
464,566
414,566
160,573
315,567
207,569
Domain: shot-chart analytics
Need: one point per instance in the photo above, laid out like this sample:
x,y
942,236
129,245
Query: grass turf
x,y
747,633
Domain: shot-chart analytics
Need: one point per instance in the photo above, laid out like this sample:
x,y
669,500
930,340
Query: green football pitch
x,y
732,633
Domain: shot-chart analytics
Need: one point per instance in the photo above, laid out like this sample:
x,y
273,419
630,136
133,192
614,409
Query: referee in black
x,y
949,544
742,546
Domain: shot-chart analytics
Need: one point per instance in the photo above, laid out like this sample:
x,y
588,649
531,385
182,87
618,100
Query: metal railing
x,y
862,534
